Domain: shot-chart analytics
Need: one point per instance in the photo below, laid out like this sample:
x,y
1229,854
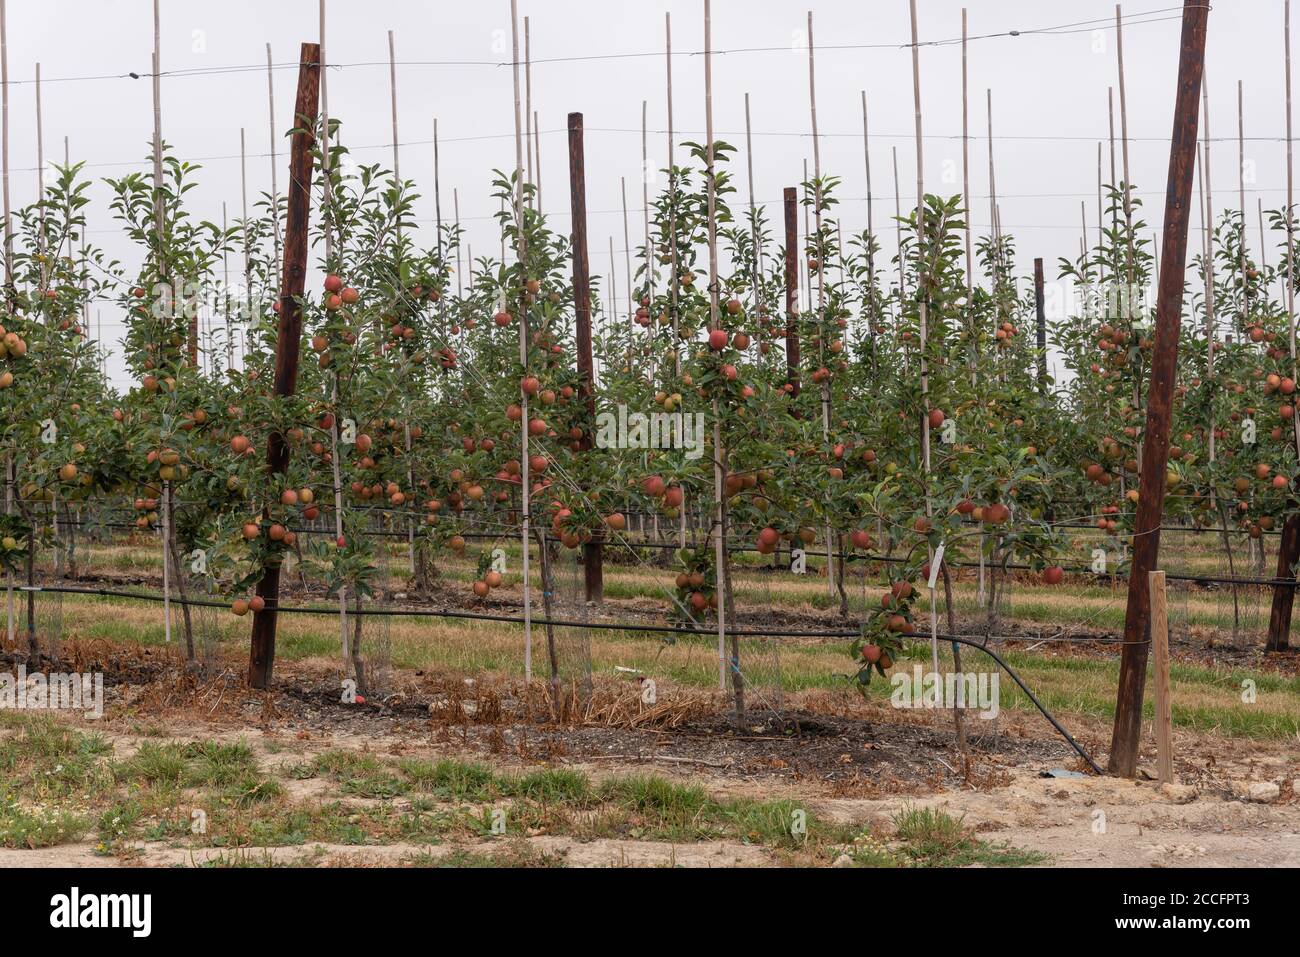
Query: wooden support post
x,y
1155,449
1288,551
261,659
791,204
1160,651
592,552
1040,319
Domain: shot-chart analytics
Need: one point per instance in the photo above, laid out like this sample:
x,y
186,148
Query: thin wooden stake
x,y
1164,717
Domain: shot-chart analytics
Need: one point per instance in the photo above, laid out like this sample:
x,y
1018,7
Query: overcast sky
x,y
1049,99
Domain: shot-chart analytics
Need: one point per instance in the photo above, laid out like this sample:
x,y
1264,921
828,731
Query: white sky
x,y
1049,100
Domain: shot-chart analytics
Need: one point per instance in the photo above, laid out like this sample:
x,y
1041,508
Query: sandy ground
x,y
1212,819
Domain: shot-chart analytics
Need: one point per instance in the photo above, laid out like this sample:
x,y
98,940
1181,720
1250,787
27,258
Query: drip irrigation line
x,y
979,646
560,623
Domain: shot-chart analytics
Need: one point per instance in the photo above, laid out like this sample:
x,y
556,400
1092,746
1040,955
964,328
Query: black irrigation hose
x,y
849,557
557,623
1023,687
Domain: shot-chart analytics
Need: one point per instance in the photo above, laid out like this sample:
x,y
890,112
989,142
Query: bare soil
x,y
850,761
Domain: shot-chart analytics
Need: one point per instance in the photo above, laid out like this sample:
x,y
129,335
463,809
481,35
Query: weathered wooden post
x,y
1155,447
261,658
593,551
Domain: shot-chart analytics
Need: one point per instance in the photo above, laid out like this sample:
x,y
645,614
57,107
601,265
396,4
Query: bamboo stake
x,y
675,275
437,201
1123,127
627,259
525,488
327,216
1263,243
753,219
719,463
923,310
1241,196
1100,206
898,233
397,180
162,271
537,153
460,272
872,306
40,169
821,285
275,189
225,286
1207,218
392,86
965,192
807,233
993,202
4,151
648,249
327,198
528,103
248,256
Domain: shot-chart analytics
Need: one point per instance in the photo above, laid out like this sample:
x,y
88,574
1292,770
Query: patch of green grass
x,y
452,780
513,855
154,763
116,821
931,838
661,809
551,786
363,775
218,764
48,761
33,827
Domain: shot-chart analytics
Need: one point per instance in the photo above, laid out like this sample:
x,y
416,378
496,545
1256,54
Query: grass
x,y
925,837
513,855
